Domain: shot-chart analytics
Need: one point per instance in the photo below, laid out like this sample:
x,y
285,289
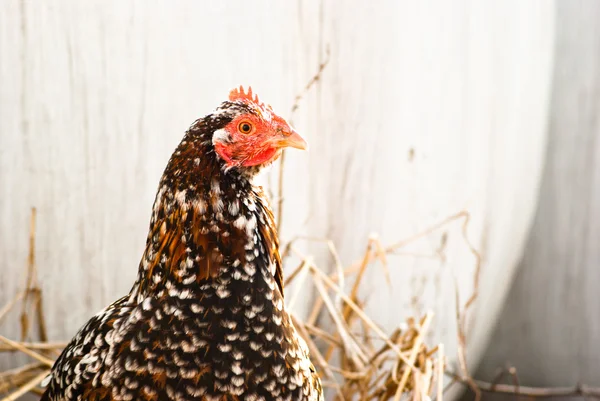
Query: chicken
x,y
205,319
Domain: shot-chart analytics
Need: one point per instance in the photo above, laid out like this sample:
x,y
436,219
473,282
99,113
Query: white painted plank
x,y
98,93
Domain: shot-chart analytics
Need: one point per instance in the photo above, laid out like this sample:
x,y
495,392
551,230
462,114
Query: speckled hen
x,y
205,319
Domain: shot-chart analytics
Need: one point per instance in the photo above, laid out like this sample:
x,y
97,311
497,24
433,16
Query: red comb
x,y
239,94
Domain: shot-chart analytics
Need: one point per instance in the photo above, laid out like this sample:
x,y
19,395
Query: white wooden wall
x,y
550,327
426,109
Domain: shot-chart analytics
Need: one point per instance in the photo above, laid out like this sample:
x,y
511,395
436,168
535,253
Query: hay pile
x,y
356,360
362,370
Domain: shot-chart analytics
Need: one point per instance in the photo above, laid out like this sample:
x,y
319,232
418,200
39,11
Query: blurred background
x,y
425,113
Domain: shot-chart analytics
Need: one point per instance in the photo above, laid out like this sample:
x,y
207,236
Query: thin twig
x,y
303,273
46,346
25,350
31,277
476,273
28,386
462,347
537,392
440,373
8,307
10,383
362,315
323,334
350,346
295,107
413,355
20,370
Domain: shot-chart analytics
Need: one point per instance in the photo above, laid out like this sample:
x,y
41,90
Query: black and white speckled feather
x,y
205,319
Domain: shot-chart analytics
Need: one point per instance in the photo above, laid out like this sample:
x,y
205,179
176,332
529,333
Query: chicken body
x,y
205,319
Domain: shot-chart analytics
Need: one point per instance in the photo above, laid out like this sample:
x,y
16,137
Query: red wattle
x,y
260,158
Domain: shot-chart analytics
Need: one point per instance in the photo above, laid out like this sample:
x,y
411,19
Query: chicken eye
x,y
245,127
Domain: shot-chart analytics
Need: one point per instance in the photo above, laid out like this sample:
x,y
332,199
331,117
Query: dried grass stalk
x,y
371,365
400,364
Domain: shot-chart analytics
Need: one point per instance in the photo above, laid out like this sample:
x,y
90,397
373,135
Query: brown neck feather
x,y
205,223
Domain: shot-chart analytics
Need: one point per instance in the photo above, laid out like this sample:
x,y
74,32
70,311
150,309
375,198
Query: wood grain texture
x,y
422,112
550,327
445,85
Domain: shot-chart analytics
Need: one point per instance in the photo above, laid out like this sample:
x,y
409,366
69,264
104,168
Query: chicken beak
x,y
293,140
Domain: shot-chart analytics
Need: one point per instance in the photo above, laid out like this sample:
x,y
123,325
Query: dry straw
x,y
352,366
357,360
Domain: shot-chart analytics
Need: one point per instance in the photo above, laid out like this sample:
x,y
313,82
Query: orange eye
x,y
245,127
